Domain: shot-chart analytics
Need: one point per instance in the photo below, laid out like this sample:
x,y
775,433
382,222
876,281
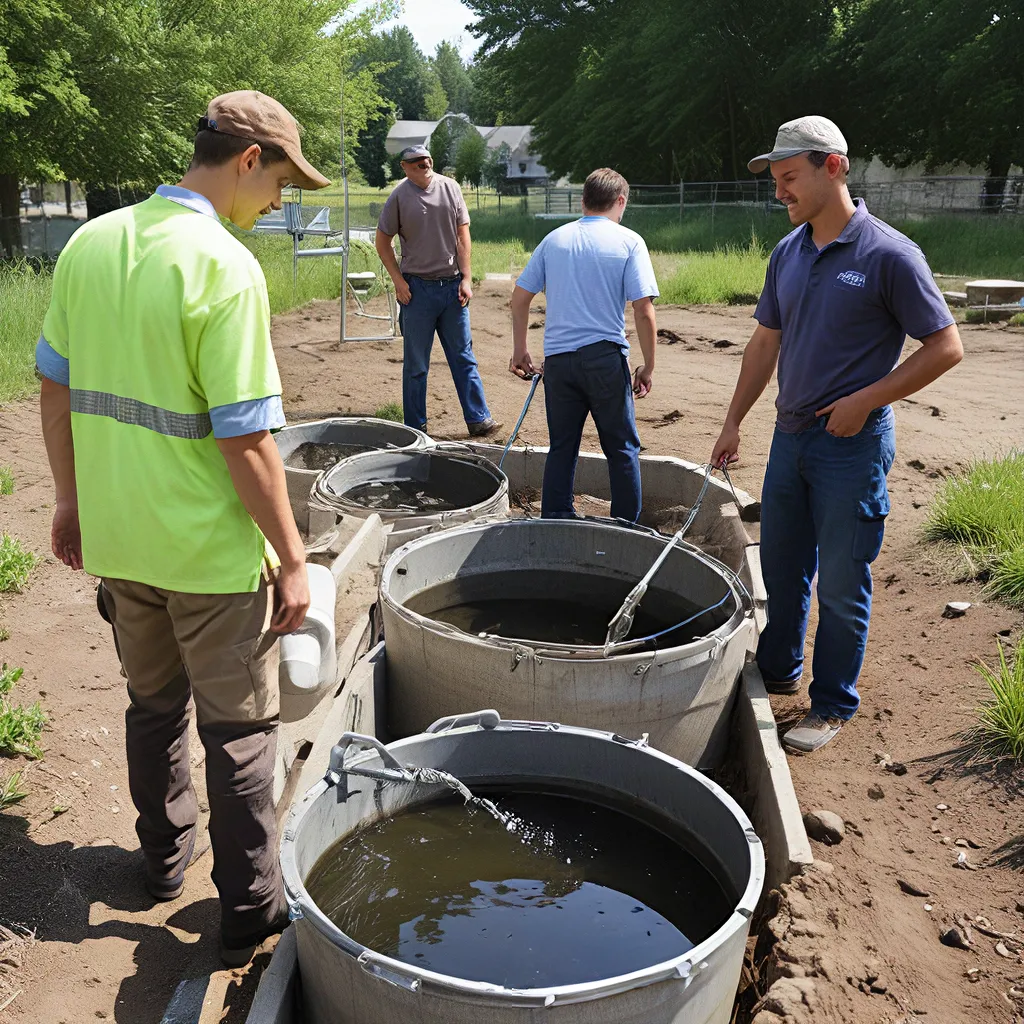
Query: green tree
x,y
403,73
491,100
454,77
435,103
470,158
371,156
445,140
41,103
495,170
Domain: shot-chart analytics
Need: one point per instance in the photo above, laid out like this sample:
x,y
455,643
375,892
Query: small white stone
x,y
927,906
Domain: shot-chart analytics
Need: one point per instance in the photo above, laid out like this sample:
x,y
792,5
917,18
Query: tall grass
x,y
730,275
982,510
1001,719
24,297
6,480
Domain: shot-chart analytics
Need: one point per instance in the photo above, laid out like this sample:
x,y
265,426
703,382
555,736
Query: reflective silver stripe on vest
x,y
192,426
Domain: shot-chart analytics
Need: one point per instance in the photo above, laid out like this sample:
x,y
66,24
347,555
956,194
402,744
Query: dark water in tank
x,y
549,606
317,456
577,892
411,495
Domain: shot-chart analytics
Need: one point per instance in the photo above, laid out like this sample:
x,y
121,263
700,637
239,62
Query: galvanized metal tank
x,y
473,483
364,431
681,696
343,982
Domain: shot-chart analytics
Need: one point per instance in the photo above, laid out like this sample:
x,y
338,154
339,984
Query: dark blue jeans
x,y
435,306
594,379
823,509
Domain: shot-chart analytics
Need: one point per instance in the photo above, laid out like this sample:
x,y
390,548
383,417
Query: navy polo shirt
x,y
844,311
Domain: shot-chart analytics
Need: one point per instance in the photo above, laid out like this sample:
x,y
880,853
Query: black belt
x,y
437,280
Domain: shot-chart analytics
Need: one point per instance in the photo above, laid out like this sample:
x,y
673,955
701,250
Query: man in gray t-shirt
x,y
433,286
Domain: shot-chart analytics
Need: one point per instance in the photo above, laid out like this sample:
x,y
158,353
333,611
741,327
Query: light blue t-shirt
x,y
588,270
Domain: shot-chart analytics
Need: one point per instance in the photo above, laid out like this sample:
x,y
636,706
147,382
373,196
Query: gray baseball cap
x,y
414,152
801,136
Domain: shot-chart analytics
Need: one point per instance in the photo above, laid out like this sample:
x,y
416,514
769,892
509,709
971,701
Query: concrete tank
x,y
343,982
472,484
358,431
680,695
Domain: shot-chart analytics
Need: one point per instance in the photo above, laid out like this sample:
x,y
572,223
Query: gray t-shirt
x,y
427,221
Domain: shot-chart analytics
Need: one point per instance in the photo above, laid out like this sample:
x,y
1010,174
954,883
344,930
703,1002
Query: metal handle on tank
x,y
393,770
488,719
519,422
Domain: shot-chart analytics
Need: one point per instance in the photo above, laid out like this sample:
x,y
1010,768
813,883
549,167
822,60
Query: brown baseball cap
x,y
248,114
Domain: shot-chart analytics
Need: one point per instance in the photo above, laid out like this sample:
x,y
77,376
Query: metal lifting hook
x,y
522,416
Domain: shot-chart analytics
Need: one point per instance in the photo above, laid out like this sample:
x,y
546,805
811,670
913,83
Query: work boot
x,y
482,429
238,956
788,687
812,732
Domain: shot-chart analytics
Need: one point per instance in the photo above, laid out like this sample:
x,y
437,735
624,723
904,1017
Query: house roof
x,y
407,133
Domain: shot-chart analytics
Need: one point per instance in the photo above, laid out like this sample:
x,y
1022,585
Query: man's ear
x,y
249,158
833,164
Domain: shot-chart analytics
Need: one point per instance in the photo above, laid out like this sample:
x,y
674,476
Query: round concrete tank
x,y
678,688
344,982
455,487
352,434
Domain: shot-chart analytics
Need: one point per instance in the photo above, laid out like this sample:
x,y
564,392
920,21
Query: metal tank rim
x,y
683,967
332,499
744,605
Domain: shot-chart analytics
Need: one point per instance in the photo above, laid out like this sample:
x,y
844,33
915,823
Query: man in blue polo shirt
x,y
841,294
589,270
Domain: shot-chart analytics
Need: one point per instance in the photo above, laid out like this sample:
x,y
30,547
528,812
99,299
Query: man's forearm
x,y
938,353
465,254
759,359
386,252
55,411
521,300
258,475
646,325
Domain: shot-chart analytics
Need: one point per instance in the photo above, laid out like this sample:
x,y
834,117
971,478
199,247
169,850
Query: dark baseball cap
x,y
248,114
414,153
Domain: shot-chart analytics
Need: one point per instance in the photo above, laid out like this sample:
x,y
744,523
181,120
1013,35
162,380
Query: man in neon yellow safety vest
x,y
159,392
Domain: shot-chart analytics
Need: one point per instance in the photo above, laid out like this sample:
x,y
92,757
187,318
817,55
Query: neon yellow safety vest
x,y
163,316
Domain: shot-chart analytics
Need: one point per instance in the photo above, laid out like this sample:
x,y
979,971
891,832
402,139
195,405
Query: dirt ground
x,y
847,944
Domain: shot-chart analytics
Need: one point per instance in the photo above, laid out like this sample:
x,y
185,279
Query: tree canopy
x,y
670,89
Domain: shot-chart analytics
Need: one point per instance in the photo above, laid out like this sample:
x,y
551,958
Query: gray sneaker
x,y
812,732
482,429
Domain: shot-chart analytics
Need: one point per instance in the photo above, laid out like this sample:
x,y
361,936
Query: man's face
x,y
804,188
259,188
419,170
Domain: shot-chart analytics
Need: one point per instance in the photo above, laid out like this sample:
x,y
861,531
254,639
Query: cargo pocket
x,y
260,666
869,527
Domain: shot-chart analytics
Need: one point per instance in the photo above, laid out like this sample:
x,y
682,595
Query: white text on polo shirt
x,y
852,277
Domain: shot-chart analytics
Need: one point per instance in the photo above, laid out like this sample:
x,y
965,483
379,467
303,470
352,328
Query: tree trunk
x,y
10,216
67,197
995,183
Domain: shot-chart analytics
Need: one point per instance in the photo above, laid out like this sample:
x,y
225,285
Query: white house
x,y
523,165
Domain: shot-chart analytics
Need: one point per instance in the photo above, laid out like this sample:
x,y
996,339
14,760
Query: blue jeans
x,y
435,306
823,509
594,379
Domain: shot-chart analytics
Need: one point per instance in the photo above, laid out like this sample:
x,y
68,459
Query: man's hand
x,y
727,447
402,291
642,382
465,291
291,599
521,364
66,536
846,416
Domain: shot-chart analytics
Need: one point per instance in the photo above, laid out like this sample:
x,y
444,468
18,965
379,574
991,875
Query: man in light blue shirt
x,y
588,271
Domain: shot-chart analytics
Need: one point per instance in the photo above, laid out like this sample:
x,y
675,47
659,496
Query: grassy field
x,y
700,257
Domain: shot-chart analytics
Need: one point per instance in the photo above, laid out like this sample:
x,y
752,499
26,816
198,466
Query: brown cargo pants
x,y
214,650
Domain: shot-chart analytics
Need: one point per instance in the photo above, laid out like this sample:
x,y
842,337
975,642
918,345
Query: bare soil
x,y
846,944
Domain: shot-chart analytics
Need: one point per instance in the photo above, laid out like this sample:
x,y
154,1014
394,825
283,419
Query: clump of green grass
x,y
15,564
24,297
389,411
1002,718
20,727
11,791
1017,320
6,480
983,511
731,275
